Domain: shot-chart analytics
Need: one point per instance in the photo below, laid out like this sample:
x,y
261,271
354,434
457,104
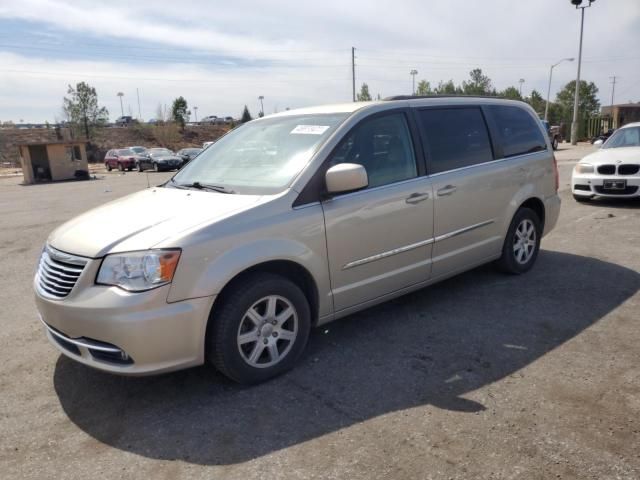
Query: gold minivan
x,y
292,221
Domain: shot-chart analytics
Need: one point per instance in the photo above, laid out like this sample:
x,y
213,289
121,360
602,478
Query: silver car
x,y
294,220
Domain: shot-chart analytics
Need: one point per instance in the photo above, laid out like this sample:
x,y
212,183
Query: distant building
x,y
622,114
53,160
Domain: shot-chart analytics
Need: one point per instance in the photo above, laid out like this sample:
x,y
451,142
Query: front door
x,y
379,239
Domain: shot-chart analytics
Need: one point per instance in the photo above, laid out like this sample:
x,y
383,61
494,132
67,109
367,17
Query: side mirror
x,y
346,177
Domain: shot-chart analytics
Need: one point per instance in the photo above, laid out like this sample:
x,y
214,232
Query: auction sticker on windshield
x,y
310,129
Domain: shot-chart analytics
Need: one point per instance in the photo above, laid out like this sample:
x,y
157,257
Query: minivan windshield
x,y
260,157
625,137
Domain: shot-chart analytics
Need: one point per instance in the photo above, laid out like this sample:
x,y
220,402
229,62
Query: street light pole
x,y
576,100
120,94
261,98
195,112
521,81
413,74
546,108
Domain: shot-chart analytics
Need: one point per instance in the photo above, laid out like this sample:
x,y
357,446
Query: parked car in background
x,y
188,154
220,121
122,159
554,134
159,159
124,121
613,170
228,120
152,121
241,253
141,151
209,120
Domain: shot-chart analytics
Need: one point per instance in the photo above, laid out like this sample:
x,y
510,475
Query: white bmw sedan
x,y
612,171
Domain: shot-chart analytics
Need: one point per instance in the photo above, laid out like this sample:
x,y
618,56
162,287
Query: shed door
x,y
40,162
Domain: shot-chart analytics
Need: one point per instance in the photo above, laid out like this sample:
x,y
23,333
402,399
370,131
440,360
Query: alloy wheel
x,y
524,241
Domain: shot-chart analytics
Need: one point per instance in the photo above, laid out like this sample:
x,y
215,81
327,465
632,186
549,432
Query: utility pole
x,y
261,98
139,111
353,71
413,74
576,100
613,92
521,81
195,112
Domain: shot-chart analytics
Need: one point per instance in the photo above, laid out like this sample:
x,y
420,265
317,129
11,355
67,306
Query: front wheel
x,y
260,330
522,243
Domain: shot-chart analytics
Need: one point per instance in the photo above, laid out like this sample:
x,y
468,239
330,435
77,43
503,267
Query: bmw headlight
x,y
584,168
139,271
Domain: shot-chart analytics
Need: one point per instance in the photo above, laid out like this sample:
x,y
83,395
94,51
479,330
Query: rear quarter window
x,y
518,132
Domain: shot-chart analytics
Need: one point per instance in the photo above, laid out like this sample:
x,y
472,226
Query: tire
x,y
109,168
513,260
582,198
230,321
554,144
129,169
120,167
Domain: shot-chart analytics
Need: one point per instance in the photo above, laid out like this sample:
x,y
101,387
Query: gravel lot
x,y
482,376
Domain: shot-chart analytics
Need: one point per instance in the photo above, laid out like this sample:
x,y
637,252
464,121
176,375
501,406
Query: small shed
x,y
53,160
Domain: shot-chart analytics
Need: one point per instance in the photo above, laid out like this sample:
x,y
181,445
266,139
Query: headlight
x,y
584,168
139,271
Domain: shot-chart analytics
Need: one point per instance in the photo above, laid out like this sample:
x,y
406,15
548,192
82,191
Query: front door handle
x,y
448,190
417,198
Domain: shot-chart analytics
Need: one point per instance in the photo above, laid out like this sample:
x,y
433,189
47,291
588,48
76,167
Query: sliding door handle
x,y
417,198
448,190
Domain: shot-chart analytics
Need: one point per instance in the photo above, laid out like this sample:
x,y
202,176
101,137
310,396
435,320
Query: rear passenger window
x,y
383,146
456,138
519,132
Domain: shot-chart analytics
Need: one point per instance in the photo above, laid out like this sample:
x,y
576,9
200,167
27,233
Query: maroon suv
x,y
122,159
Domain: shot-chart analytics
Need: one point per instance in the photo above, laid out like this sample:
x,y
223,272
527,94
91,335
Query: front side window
x,y
625,137
383,146
518,130
456,137
262,156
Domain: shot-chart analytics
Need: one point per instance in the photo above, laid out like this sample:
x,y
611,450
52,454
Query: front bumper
x,y
126,333
590,184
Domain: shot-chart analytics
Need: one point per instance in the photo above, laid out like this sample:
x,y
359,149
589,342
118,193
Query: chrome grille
x,y
58,272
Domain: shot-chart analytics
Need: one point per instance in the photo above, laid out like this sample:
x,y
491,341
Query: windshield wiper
x,y
204,186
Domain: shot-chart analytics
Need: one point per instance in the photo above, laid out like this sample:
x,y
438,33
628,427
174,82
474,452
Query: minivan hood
x,y
614,155
142,220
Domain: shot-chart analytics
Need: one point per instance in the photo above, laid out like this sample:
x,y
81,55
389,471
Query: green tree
x,y
179,111
364,95
588,105
511,93
246,116
537,102
479,84
424,88
447,88
82,109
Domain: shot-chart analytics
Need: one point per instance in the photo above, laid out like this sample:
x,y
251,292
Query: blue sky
x,y
223,55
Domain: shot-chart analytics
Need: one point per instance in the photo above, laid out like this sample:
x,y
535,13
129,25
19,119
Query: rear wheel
x,y
260,330
522,243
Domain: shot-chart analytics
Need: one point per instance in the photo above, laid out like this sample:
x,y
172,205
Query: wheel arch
x,y
535,204
285,268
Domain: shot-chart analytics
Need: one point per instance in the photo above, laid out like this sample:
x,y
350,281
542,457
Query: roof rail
x,y
411,97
